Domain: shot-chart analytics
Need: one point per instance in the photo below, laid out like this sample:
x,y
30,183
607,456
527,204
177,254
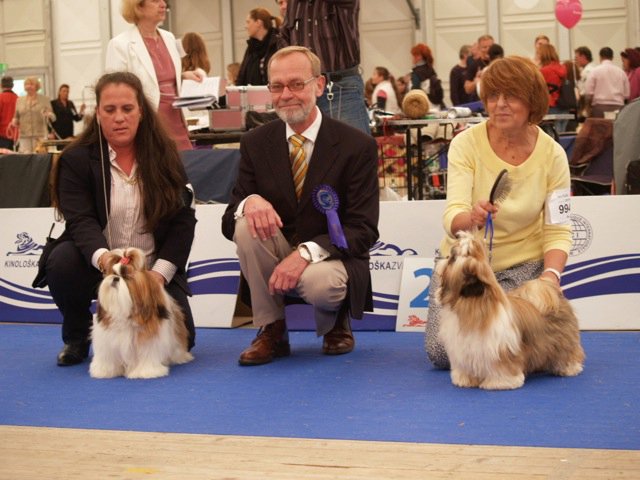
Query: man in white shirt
x,y
607,86
584,60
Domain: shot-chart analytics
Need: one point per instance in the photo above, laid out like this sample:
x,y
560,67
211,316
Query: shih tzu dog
x,y
139,330
492,338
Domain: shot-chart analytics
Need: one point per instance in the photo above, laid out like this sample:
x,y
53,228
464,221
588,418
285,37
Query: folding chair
x,y
597,177
591,161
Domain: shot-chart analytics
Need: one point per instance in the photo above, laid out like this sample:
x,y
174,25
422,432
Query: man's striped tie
x,y
298,162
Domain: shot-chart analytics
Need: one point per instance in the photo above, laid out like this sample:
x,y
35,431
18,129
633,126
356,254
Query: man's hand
x,y
263,220
287,273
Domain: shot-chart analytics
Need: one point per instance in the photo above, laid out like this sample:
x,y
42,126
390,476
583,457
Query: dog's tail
x,y
543,294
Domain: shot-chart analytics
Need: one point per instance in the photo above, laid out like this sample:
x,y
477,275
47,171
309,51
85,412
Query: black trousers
x,y
74,284
6,143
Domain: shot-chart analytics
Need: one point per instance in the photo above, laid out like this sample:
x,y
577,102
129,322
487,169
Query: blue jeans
x,y
561,125
347,103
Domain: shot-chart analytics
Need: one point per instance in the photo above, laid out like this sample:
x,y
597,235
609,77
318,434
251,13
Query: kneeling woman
x,y
120,184
532,232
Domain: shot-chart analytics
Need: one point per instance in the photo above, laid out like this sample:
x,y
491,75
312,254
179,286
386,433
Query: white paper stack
x,y
199,95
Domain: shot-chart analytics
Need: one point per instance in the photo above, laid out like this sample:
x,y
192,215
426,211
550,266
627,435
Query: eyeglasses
x,y
296,86
493,97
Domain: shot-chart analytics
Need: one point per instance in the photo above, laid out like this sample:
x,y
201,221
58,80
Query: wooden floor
x,y
51,453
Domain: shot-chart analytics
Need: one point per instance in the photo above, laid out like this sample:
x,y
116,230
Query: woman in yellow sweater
x,y
532,230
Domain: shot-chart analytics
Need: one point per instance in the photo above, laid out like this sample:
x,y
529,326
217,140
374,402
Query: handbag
x,y
40,281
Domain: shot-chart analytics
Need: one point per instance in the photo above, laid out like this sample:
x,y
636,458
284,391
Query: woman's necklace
x,y
128,179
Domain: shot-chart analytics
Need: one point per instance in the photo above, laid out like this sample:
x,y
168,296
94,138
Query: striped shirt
x,y
125,226
329,28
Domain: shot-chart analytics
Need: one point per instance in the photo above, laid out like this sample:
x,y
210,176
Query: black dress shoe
x,y
73,354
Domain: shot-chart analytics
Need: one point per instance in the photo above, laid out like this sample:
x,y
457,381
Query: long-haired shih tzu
x,y
139,330
494,339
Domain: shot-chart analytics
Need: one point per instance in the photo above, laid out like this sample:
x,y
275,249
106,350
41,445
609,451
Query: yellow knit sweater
x,y
520,231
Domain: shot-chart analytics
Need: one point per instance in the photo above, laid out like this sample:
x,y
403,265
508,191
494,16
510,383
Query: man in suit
x,y
285,245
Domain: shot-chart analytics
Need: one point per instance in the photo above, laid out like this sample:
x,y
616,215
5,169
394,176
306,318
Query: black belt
x,y
340,74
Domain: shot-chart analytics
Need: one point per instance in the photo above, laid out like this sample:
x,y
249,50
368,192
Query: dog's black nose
x,y
115,281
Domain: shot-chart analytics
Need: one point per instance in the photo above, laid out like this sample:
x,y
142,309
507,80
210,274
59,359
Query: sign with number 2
x,y
413,302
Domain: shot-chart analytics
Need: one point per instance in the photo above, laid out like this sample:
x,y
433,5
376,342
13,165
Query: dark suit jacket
x,y
82,202
344,158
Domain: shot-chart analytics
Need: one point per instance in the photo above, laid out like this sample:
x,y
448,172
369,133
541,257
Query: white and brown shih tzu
x,y
493,338
139,330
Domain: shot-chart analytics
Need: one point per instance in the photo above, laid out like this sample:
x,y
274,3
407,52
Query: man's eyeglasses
x,y
296,86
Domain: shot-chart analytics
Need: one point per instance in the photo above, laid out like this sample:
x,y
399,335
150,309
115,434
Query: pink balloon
x,y
568,12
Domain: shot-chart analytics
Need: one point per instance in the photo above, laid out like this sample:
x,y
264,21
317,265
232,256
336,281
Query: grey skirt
x,y
509,279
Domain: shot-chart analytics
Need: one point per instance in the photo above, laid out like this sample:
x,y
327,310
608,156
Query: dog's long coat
x,y
139,329
493,338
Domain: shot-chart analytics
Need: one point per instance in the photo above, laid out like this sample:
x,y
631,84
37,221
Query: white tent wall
x,y
66,39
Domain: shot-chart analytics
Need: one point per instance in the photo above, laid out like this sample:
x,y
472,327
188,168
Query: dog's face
x,y
466,273
128,291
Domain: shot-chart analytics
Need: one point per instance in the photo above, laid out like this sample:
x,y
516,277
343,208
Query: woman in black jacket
x,y
262,28
146,204
424,77
66,113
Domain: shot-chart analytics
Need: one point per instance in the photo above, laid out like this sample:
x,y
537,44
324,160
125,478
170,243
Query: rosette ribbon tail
x,y
336,234
326,200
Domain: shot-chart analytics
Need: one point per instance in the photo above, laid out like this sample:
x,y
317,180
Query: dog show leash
x,y
499,191
104,182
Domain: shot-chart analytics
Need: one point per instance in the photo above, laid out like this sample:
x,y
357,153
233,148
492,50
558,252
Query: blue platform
x,y
384,390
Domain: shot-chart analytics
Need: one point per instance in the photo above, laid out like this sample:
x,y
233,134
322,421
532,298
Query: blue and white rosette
x,y
325,199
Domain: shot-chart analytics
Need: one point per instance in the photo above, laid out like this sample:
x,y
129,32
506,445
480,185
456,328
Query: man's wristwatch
x,y
304,252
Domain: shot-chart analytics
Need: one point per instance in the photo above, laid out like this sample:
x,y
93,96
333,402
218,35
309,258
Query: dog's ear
x,y
102,315
148,302
473,287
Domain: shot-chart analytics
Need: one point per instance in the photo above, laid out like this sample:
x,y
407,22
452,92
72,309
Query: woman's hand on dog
x,y
551,277
157,276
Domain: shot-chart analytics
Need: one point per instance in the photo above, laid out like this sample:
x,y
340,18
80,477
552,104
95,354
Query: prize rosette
x,y
325,199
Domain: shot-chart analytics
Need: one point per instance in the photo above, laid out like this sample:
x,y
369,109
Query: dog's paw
x,y
503,382
181,357
570,370
462,379
148,371
102,370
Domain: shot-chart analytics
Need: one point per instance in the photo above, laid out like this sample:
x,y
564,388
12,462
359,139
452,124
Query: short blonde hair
x,y
520,78
129,11
34,80
316,68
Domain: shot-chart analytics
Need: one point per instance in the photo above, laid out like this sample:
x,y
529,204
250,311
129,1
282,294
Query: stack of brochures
x,y
199,95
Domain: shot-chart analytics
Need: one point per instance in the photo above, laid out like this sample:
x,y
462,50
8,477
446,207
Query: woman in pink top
x,y
631,64
151,53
